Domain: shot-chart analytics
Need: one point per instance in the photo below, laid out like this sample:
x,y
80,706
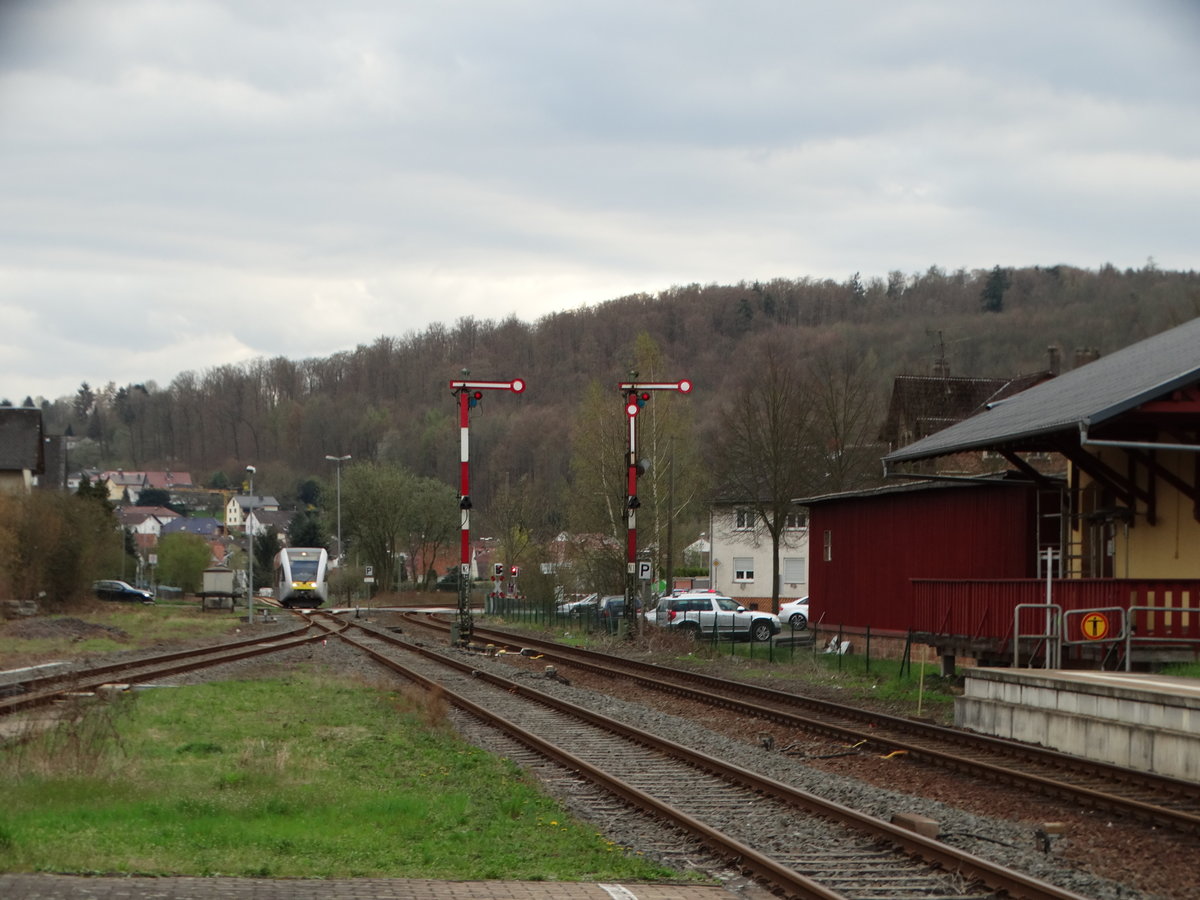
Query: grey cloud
x,y
207,168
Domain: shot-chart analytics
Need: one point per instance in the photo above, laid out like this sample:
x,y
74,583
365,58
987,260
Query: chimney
x,y
1085,355
1055,354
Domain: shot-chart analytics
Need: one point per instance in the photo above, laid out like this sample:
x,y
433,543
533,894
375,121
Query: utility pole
x,y
250,551
636,394
669,581
469,393
339,460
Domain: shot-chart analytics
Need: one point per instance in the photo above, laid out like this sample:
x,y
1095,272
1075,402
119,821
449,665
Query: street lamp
x,y
339,460
250,551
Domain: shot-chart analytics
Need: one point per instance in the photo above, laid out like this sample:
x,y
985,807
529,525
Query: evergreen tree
x,y
266,548
992,295
304,530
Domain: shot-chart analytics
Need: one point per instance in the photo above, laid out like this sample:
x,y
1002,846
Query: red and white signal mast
x,y
469,393
636,394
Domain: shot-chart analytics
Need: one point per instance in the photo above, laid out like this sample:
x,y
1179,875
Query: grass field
x,y
100,628
300,775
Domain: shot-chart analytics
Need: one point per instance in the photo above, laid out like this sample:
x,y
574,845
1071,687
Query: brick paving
x,y
69,887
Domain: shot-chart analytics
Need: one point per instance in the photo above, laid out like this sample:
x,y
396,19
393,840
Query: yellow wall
x,y
1170,548
16,482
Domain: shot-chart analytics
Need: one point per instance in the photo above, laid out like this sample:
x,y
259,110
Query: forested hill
x,y
390,400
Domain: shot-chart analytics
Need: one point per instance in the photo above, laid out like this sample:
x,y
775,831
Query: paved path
x,y
67,887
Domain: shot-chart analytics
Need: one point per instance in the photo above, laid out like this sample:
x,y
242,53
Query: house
x,y
239,505
75,479
205,526
208,528
146,520
741,563
21,449
178,486
698,554
268,521
922,405
123,487
145,524
169,481
1128,427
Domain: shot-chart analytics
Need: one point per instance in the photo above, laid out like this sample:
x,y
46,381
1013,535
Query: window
x,y
743,568
745,520
794,571
828,545
795,521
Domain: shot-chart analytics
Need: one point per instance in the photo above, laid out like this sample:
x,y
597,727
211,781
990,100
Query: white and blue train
x,y
300,574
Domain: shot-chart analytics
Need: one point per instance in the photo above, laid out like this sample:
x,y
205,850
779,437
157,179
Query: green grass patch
x,y
853,676
902,689
103,628
305,776
1182,670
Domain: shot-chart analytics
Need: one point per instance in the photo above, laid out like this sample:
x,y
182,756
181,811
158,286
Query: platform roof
x,y
1042,416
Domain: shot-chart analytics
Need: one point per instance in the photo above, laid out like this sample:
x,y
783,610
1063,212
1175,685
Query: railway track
x,y
45,690
1153,799
795,843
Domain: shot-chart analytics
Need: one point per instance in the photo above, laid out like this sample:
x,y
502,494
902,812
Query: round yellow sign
x,y
1095,626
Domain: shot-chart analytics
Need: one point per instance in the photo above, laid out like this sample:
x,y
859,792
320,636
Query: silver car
x,y
705,613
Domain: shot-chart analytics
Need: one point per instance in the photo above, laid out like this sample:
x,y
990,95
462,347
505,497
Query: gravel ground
x,y
1095,858
1155,863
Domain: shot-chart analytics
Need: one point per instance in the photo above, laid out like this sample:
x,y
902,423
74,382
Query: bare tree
x,y
767,453
512,515
844,387
596,503
375,514
431,521
600,464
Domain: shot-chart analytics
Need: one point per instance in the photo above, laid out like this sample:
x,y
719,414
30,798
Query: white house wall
x,y
730,544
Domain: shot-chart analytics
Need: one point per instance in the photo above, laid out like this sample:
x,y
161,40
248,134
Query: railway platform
x,y
1140,721
69,887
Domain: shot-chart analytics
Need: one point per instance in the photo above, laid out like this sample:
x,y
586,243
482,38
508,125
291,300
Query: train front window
x,y
304,570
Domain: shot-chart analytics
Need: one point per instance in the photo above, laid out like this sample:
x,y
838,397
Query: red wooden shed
x,y
868,546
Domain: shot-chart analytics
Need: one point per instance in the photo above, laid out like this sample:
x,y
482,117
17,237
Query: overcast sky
x,y
190,183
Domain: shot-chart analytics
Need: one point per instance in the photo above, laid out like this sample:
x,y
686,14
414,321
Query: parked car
x,y
120,590
578,606
795,613
703,613
611,610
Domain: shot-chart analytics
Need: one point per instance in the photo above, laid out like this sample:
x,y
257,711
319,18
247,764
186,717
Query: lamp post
x,y
339,460
250,551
